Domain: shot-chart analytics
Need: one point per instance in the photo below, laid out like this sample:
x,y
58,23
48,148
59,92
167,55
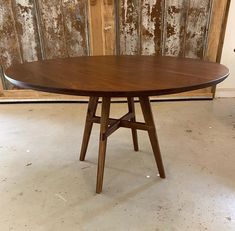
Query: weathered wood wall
x,y
168,27
40,29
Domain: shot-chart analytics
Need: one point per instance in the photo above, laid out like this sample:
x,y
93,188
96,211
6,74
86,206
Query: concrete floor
x,y
43,186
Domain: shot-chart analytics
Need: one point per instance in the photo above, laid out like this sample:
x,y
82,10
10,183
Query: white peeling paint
x,y
129,33
176,21
148,24
27,38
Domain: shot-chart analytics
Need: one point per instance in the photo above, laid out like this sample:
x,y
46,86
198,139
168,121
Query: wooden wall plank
x,y
196,31
9,46
75,27
175,22
26,26
108,28
219,15
216,28
102,27
152,26
9,49
95,21
63,28
129,27
52,29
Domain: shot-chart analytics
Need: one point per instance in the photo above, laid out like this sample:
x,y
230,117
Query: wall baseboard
x,y
225,93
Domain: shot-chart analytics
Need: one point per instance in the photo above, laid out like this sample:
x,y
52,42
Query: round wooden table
x,y
117,76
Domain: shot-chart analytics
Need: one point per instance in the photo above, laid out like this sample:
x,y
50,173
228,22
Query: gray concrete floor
x,y
43,186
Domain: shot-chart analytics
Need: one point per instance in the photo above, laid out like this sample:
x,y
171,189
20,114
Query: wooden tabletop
x,y
117,76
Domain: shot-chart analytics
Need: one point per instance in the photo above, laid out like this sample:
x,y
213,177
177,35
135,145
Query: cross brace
x,y
110,125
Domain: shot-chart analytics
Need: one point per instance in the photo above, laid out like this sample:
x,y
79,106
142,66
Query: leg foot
x,y
103,142
92,106
148,117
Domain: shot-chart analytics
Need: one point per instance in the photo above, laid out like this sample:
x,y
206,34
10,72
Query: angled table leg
x,y
131,108
103,142
92,106
148,117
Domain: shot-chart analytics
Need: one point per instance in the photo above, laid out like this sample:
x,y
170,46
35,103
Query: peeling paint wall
x,y
52,27
168,27
151,26
129,27
75,22
175,22
9,48
26,28
196,29
31,30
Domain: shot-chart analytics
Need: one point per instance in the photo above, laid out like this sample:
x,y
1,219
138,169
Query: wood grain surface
x,y
117,76
102,27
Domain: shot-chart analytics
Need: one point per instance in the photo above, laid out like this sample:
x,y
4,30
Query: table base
x,y
110,125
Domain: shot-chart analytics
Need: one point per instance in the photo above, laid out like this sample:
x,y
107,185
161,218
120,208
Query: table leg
x,y
92,106
103,142
131,108
148,117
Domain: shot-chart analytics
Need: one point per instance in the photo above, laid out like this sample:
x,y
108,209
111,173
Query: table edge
x,y
119,93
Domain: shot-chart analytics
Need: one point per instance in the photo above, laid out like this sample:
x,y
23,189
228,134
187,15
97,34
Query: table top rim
x,y
119,93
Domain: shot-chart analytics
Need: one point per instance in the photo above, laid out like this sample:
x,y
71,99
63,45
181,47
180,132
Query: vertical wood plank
x,y
96,35
151,26
75,26
26,26
109,31
197,25
175,22
216,28
102,27
219,15
52,29
9,49
9,46
129,27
